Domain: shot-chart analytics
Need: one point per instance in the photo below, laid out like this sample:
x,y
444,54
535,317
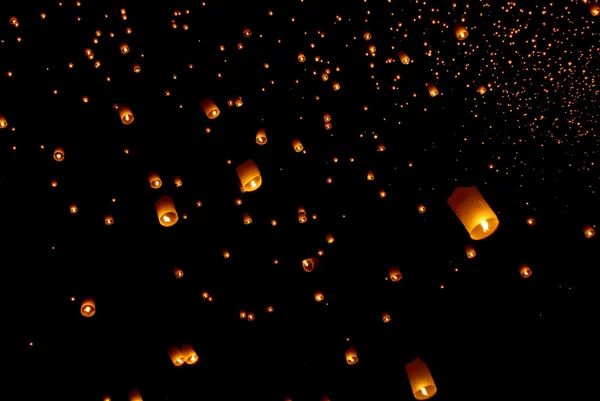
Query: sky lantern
x,y
433,91
3,122
210,108
588,231
59,154
474,213
190,356
249,176
297,145
404,59
460,32
166,212
351,356
261,136
525,271
154,180
125,114
88,307
421,381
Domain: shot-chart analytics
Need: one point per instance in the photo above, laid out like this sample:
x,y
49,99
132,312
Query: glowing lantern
x,y
382,193
530,221
189,354
319,296
302,215
370,175
351,356
124,48
433,92
210,108
525,271
380,147
177,181
372,49
176,356
404,59
301,58
594,9
326,117
328,126
134,395
242,314
270,309
247,32
588,231
226,254
166,212
367,36
386,317
249,175
88,307
421,382
421,208
335,85
394,273
247,219
261,136
238,101
178,272
73,208
310,264
136,67
154,180
481,89
238,201
108,220
324,76
125,114
250,317
3,122
460,32
59,154
329,238
472,210
297,145
470,251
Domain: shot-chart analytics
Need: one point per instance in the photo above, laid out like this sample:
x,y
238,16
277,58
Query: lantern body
x,y
297,145
302,215
178,272
247,32
210,108
370,175
460,32
472,210
166,212
261,136
525,271
319,296
134,395
249,175
124,48
247,219
386,317
226,254
367,36
326,117
351,356
404,59
594,9
470,251
189,354
433,92
588,231
481,89
178,181
310,264
125,114
421,382
530,221
421,208
238,101
394,273
3,122
109,220
154,180
329,238
88,307
59,154
176,356
336,85
301,58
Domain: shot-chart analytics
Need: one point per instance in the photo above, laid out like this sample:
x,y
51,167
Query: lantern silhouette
x,y
247,219
525,271
88,307
394,273
59,154
421,381
134,395
588,231
594,9
472,210
351,356
470,251
319,296
124,48
166,212
336,85
460,32
530,221
210,108
154,180
329,238
385,316
297,145
125,114
481,89
310,264
176,356
190,356
249,175
261,136
3,122
178,272
404,59
421,208
301,58
433,92
108,219
370,175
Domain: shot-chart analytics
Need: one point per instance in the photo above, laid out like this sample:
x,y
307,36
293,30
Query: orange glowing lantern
x,y
481,89
226,254
336,85
433,92
124,48
210,108
302,215
421,381
247,32
594,9
588,231
134,395
470,251
88,307
154,180
382,193
166,212
125,114
301,58
530,221
472,210
404,59
329,238
460,32
319,296
261,136
178,272
385,316
176,356
136,67
370,175
238,101
249,175
73,208
191,357
351,356
242,314
3,122
326,117
177,180
108,219
394,273
310,264
59,154
297,145
367,36
247,219
525,271
421,208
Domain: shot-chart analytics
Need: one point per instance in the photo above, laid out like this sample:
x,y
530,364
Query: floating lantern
x,y
530,221
88,307
404,59
421,208
302,215
386,317
177,181
481,89
594,9
134,395
238,101
166,212
125,114
297,145
226,254
176,355
470,251
421,381
261,136
249,175
394,273
329,238
124,48
525,271
210,108
154,180
367,36
247,219
460,32
108,219
247,32
3,122
191,357
475,214
588,231
310,264
433,92
351,356
370,175
178,272
301,58
336,85
319,296
59,154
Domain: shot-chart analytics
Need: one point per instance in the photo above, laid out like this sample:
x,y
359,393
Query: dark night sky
x,y
530,145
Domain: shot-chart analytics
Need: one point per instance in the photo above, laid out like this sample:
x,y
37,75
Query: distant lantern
x,y
404,59
380,147
421,381
226,254
249,175
481,89
261,136
385,316
176,355
124,48
177,180
247,219
530,221
134,395
324,76
372,49
472,210
178,272
525,271
136,67
370,175
421,208
394,273
125,114
329,238
470,251
3,122
73,208
326,117
109,220
250,317
297,145
351,356
302,215
335,85
382,193
238,101
594,9
242,314
367,36
210,108
301,58
191,357
310,264
59,154
433,91
319,296
588,231
238,201
88,307
328,126
247,32
460,32
270,309
154,180
166,212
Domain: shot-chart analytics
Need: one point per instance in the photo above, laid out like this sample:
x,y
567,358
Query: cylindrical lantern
x,y
351,356
421,208
124,48
108,219
261,136
178,181
404,59
433,92
382,193
394,273
460,32
367,36
594,9
470,251
226,254
421,381
176,356
297,145
247,219
88,307
319,296
370,175
326,117
310,264
386,317
336,85
210,108
166,212
481,89
154,180
247,32
238,101
530,221
249,175
189,354
588,231
59,154
73,208
178,272
301,58
329,238
134,395
525,271
473,211
302,215
125,114
324,76
3,122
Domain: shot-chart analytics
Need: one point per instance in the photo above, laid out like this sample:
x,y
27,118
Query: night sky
x,y
415,112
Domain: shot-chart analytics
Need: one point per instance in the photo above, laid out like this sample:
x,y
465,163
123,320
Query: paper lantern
x,y
302,215
421,381
404,59
154,180
394,273
372,49
329,238
250,317
310,264
125,114
88,307
210,108
351,356
301,58
324,76
326,117
247,32
336,86
530,221
176,356
460,32
261,136
249,176
108,219
189,354
177,180
73,208
226,254
238,101
386,317
134,395
3,122
319,296
166,212
178,272
124,48
433,92
247,219
594,9
472,210
367,36
481,89
136,67
525,271
588,231
421,208
470,251
382,193
297,145
59,154
370,175
242,314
